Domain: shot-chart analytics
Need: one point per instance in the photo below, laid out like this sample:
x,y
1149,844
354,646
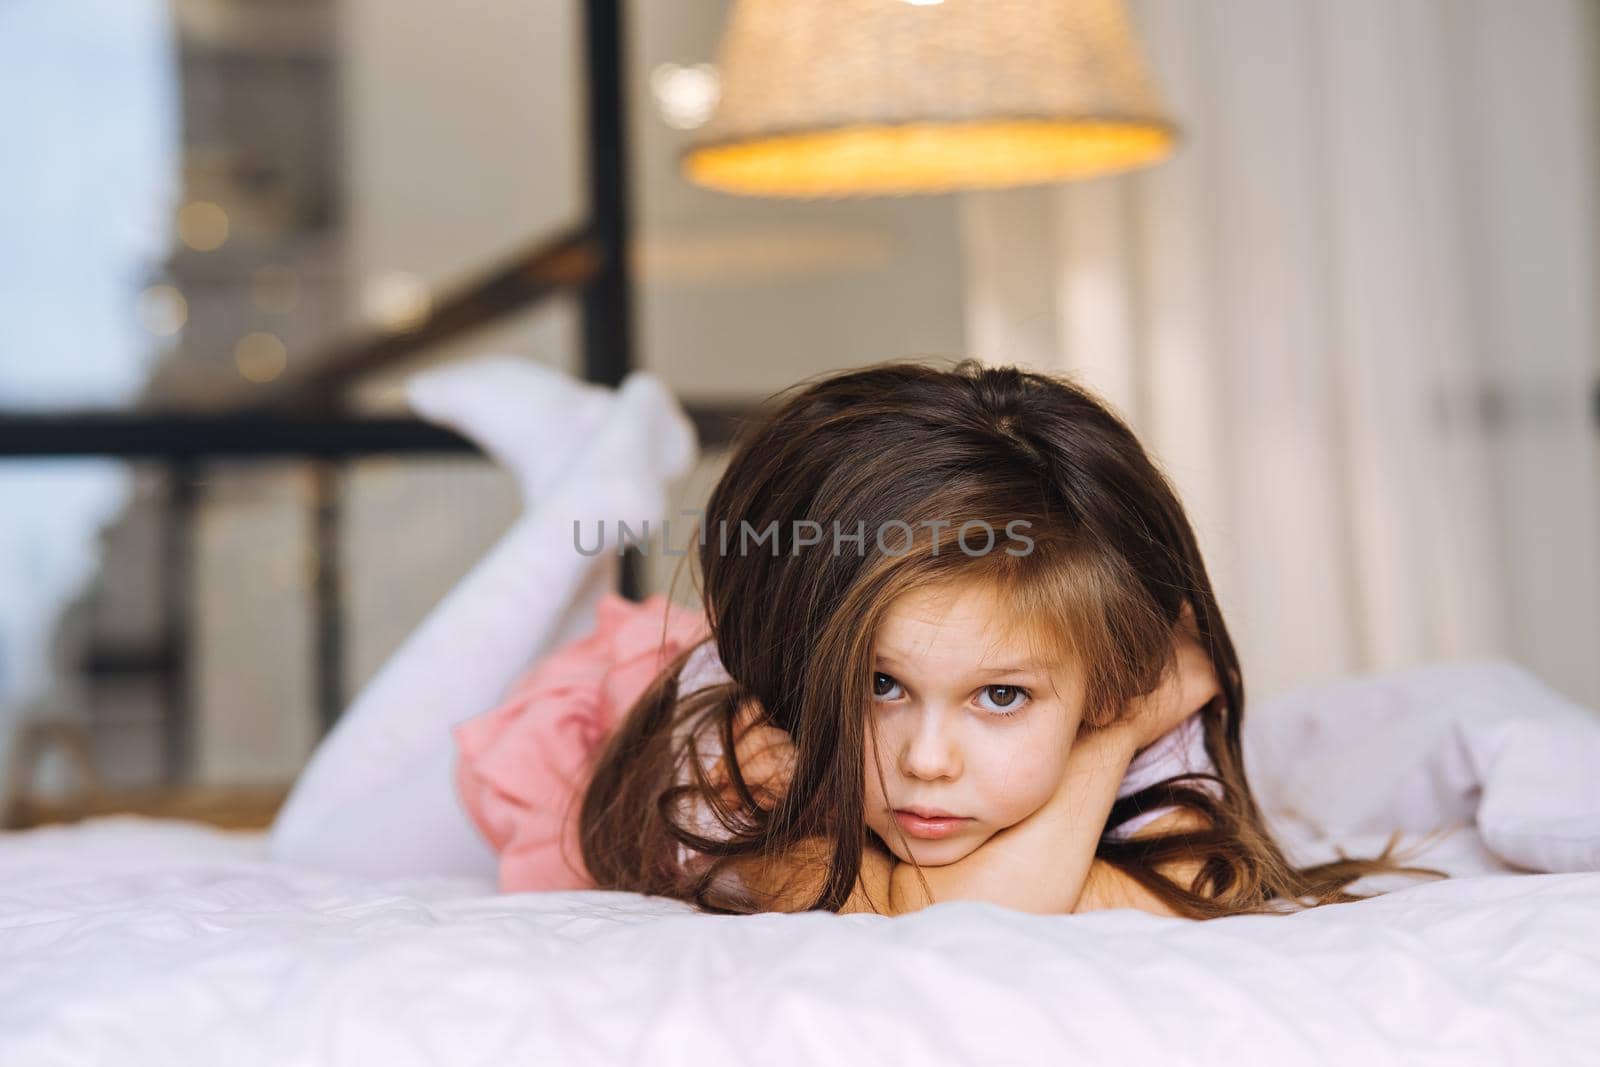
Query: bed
x,y
136,941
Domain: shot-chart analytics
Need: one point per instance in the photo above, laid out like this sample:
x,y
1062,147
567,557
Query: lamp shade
x,y
875,97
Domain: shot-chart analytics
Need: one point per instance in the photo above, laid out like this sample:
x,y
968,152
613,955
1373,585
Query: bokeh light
x,y
203,225
260,357
162,310
396,300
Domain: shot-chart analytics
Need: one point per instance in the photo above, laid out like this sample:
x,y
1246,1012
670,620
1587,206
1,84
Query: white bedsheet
x,y
131,942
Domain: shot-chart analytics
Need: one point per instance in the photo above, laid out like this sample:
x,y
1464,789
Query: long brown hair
x,y
890,452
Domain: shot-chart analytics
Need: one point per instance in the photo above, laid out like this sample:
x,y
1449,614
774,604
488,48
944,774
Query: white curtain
x,y
1354,319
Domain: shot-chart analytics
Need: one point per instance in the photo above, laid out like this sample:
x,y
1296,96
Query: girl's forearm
x,y
1040,864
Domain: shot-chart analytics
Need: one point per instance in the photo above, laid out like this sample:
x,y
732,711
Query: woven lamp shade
x,y
876,97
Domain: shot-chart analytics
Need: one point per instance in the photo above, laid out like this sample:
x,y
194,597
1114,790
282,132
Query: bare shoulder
x,y
1108,887
871,893
791,882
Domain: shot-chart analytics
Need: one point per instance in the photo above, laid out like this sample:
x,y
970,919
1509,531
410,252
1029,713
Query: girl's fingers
x,y
749,713
1196,671
770,787
767,759
776,783
765,764
767,777
760,739
744,721
765,754
1187,687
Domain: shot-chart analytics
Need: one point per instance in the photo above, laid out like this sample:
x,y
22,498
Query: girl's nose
x,y
931,751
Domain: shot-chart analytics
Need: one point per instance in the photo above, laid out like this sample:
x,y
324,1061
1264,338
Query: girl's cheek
x,y
873,794
1023,777
874,788
885,743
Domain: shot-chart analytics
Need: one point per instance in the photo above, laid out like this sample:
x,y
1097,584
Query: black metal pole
x,y
327,590
608,298
173,436
177,587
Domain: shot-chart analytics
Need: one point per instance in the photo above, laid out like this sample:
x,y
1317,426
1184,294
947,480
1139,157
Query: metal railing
x,y
304,416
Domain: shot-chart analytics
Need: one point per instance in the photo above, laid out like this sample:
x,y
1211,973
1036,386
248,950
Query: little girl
x,y
962,645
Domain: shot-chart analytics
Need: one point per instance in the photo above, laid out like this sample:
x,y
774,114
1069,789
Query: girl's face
x,y
972,737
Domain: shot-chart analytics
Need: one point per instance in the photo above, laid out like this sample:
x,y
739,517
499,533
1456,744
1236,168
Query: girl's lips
x,y
928,827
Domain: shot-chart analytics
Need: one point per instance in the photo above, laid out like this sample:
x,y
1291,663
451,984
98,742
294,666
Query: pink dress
x,y
523,765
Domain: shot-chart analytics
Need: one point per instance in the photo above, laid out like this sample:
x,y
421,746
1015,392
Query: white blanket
x,y
130,942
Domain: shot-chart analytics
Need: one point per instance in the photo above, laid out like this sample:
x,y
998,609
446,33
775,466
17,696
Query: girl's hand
x,y
766,759
1184,690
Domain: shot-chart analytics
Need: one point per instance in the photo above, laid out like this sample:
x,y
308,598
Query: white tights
x,y
378,795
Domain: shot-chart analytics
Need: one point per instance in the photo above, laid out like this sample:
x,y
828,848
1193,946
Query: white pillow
x,y
1482,744
378,795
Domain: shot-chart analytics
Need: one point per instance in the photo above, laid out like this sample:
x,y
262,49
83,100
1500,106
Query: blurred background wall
x,y
1353,317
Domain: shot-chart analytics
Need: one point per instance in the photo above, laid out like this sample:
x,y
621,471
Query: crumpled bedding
x,y
130,941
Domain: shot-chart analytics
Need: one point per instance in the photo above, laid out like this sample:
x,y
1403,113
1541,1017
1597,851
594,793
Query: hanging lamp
x,y
830,98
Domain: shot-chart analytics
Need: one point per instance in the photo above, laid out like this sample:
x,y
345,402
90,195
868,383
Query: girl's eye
x,y
879,682
1009,698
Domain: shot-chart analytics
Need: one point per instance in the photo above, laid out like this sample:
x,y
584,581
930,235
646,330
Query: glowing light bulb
x,y
686,95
